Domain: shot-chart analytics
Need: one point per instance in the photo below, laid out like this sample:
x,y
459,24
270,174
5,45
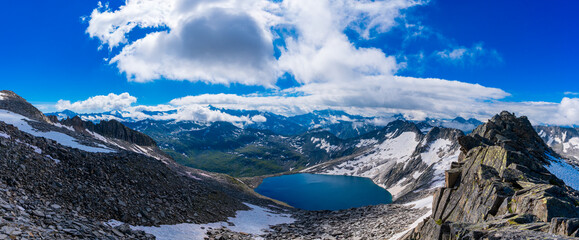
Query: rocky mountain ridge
x,y
503,186
269,145
58,182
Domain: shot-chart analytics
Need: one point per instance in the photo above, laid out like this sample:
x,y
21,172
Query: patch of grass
x,y
248,161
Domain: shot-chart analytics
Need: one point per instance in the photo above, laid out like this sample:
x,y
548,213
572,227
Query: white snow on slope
x,y
389,152
366,142
411,226
4,135
564,171
421,203
441,155
572,144
397,188
253,221
2,95
53,159
323,144
19,121
35,148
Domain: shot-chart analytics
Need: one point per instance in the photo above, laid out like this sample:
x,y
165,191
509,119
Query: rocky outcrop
x,y
14,103
500,189
112,129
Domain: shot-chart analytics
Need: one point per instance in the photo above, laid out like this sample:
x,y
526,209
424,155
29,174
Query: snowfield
x,y
389,152
441,154
397,150
564,171
253,221
572,144
21,123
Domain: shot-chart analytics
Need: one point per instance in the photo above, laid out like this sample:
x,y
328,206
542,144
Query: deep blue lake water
x,y
323,192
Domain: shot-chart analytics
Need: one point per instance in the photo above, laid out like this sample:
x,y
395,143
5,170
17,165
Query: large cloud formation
x,y
254,42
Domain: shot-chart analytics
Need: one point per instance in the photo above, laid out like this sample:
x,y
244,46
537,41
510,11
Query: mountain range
x,y
100,176
239,149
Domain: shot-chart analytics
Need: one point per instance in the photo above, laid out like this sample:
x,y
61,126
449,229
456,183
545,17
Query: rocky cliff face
x,y
563,140
500,188
110,128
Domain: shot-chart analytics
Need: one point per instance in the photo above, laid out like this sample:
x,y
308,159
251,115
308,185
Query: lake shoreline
x,y
309,191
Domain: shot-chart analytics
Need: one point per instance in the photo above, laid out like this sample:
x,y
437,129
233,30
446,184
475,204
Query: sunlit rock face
x,y
503,185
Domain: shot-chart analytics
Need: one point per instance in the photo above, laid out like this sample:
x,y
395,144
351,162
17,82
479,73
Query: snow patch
x,y
19,121
416,175
253,221
36,149
366,142
53,159
441,155
411,226
564,171
4,135
63,126
379,159
436,149
421,203
323,144
571,144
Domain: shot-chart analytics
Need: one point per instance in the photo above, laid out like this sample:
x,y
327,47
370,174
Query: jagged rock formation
x,y
111,128
500,189
399,158
268,144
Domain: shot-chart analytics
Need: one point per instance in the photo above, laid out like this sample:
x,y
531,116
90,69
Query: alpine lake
x,y
323,192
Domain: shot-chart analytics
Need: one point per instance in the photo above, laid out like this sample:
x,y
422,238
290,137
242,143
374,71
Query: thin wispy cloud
x,y
477,54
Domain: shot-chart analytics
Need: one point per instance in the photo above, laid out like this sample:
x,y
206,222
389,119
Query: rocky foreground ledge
x,y
370,222
500,188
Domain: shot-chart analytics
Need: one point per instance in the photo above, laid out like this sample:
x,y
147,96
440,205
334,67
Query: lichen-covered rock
x,y
565,226
504,188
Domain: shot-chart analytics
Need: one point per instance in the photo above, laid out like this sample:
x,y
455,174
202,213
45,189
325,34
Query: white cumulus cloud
x,y
232,41
98,103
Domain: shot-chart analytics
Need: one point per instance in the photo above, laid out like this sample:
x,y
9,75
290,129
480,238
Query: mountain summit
x,y
506,184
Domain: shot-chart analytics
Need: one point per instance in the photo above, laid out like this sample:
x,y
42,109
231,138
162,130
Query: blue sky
x,y
519,51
